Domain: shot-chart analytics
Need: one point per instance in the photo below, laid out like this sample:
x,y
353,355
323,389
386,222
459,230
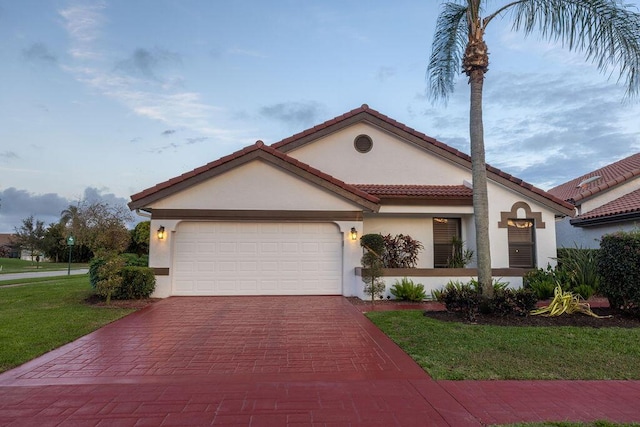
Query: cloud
x,y
294,113
385,73
196,140
83,23
39,53
16,205
245,52
147,63
8,155
169,132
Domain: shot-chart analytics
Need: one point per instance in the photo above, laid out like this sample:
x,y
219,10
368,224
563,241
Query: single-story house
x,y
606,200
286,218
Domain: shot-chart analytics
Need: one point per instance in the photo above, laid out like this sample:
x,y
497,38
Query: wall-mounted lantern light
x,y
161,232
354,233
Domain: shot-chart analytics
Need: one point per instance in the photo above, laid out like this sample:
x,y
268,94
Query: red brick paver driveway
x,y
273,361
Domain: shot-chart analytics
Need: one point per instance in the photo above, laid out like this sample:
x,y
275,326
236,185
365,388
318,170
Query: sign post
x,y
70,242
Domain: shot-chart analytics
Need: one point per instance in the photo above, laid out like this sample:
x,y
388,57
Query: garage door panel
x,y
234,258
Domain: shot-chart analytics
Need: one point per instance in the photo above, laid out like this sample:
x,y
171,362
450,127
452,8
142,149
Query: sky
x,y
104,98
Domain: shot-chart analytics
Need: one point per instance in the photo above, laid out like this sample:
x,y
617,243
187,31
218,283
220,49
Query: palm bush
x,y
405,289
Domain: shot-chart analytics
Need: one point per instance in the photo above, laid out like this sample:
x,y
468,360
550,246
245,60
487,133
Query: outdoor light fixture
x,y
354,233
161,232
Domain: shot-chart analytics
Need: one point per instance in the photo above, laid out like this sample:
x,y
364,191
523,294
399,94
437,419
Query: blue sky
x,y
105,98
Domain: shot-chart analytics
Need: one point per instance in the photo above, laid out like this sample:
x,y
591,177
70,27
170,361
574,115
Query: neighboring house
x,y
286,218
8,249
606,200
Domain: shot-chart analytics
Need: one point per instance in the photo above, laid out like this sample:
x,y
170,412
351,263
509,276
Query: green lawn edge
x,y
460,351
41,316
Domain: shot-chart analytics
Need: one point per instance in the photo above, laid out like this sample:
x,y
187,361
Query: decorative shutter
x,y
444,230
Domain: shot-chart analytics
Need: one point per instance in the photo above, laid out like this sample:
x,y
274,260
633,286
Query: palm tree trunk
x,y
479,175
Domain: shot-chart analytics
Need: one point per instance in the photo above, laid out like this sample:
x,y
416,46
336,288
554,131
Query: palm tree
x,y
606,31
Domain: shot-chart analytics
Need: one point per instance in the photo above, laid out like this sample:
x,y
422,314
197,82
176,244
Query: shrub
x,y
109,279
460,257
513,301
618,264
137,283
407,290
585,291
579,267
400,251
462,298
564,302
135,260
372,264
94,271
541,282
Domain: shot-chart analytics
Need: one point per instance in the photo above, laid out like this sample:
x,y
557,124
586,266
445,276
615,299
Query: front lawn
x,y
43,315
14,265
457,351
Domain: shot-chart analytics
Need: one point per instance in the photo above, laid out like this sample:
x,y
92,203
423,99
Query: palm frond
x,y
607,31
447,49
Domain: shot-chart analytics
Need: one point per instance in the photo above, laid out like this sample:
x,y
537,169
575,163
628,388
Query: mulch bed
x,y
437,311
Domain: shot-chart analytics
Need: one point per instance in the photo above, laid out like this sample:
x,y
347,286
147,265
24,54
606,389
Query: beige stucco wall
x,y
256,185
390,161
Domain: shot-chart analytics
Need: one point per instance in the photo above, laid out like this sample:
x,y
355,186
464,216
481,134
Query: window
x,y
363,143
522,246
445,230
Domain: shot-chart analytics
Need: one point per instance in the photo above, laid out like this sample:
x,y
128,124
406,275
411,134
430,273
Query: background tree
x,y
30,236
140,236
607,31
54,244
99,226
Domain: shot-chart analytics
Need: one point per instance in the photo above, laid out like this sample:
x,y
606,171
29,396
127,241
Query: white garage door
x,y
240,258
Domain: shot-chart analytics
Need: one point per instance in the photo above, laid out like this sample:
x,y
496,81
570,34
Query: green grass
x,y
13,265
39,317
570,424
457,351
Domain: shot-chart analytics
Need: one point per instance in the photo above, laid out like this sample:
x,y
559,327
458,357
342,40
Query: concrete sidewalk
x,y
273,361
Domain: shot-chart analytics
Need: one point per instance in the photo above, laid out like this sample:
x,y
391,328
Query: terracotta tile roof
x,y
424,191
425,140
279,149
627,204
138,199
610,176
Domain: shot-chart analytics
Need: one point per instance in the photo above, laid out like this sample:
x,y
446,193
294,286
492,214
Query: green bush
x,y
541,282
618,264
585,291
135,260
578,267
371,261
408,291
137,283
462,298
518,302
112,279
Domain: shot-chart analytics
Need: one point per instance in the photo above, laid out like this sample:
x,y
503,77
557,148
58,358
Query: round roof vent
x,y
363,143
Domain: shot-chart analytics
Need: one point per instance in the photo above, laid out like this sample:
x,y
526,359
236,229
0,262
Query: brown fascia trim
x,y
604,220
160,271
446,272
261,155
254,215
422,201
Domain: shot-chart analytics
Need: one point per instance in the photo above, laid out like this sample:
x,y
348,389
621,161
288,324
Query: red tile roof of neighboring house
x,y
627,204
425,191
138,200
610,176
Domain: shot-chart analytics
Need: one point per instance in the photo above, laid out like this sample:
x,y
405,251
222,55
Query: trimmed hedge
x,y
619,268
137,283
